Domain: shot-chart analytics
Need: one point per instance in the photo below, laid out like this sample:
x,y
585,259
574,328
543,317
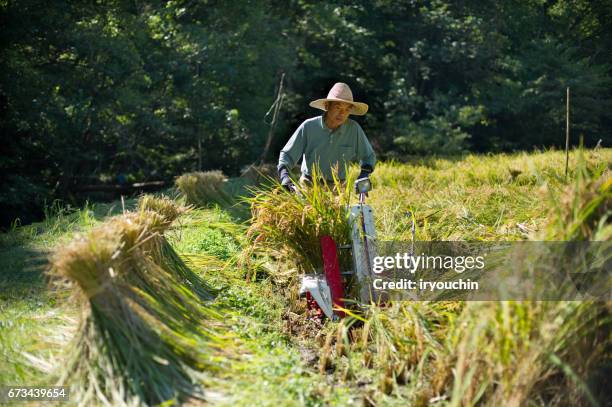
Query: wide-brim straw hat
x,y
341,92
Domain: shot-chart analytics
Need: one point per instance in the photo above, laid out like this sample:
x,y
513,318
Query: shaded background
x,y
129,91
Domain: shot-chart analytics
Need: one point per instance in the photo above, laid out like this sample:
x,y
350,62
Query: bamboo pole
x,y
567,130
199,153
278,101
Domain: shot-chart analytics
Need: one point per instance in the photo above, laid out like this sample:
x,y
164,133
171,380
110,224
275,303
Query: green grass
x,y
409,354
35,323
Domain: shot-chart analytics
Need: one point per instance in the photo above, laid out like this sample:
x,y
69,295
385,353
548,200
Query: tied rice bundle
x,y
158,214
163,206
142,330
203,188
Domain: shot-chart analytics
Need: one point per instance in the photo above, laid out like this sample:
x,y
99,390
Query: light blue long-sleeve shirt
x,y
316,144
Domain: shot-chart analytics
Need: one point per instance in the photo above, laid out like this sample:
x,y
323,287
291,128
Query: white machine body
x,y
363,242
364,248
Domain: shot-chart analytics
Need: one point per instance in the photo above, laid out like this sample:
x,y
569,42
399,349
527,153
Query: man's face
x,y
337,113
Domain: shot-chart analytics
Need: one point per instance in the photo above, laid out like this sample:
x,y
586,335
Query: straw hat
x,y
341,92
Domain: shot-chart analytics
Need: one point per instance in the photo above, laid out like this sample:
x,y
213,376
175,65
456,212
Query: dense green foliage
x,y
153,89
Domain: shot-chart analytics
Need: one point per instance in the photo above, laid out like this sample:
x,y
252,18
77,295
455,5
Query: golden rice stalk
x,y
507,352
158,214
291,225
514,352
584,210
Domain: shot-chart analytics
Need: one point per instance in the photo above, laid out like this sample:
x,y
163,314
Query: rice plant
x,y
474,197
491,353
585,207
289,225
512,352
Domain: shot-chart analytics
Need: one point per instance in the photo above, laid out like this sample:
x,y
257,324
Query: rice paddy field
x,y
191,297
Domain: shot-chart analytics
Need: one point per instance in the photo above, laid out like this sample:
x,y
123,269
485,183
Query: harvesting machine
x,y
329,289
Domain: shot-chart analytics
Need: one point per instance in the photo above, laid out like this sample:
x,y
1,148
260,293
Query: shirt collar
x,y
327,129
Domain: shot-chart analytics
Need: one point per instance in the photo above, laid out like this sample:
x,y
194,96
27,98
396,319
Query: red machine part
x,y
332,272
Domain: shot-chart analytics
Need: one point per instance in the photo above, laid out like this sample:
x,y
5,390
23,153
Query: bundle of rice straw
x,y
141,332
204,188
167,211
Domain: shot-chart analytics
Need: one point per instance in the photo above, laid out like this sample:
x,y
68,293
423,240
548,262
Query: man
x,y
329,141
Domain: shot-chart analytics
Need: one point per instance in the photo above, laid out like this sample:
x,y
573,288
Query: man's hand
x,y
285,181
288,185
366,170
